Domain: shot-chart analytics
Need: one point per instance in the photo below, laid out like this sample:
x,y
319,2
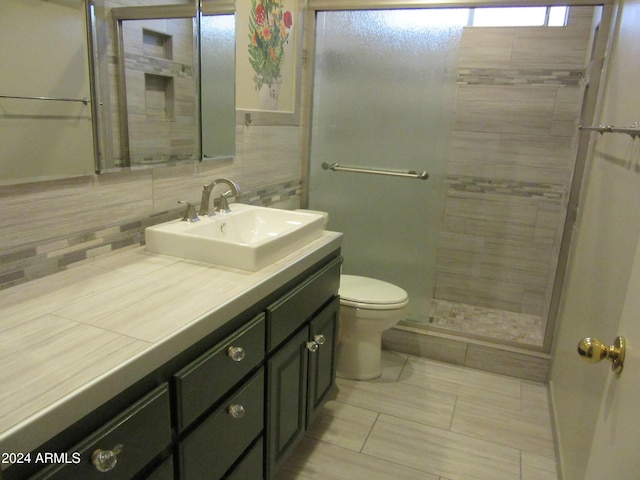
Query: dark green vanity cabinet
x,y
221,439
127,443
231,406
203,382
220,412
301,376
301,370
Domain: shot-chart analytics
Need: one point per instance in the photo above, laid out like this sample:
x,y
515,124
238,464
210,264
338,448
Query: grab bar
x,y
56,99
410,174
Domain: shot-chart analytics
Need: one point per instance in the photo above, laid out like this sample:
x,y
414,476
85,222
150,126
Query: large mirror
x,y
166,81
45,95
124,84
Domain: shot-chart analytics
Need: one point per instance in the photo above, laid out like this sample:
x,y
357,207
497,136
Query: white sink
x,y
248,237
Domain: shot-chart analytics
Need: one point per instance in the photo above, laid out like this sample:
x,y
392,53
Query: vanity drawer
x,y
205,380
289,312
214,446
140,433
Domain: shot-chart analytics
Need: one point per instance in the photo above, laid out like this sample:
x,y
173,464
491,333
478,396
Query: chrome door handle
x,y
593,351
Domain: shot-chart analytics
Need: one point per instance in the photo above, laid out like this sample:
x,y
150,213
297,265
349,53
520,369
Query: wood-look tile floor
x,y
426,420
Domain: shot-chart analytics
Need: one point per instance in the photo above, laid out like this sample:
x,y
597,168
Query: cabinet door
x,y
287,399
322,362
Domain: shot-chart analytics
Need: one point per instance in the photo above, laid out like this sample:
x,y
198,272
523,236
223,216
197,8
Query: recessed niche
x,y
159,96
156,44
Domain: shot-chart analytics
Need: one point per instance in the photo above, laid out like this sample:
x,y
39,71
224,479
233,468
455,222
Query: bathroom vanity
x,y
224,393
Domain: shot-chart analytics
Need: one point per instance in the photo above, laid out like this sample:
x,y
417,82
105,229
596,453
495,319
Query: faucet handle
x,y
190,214
224,203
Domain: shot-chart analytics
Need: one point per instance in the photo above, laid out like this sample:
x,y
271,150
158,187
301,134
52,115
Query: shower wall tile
x,y
566,113
504,109
479,291
485,47
481,228
581,17
494,208
499,250
558,174
511,156
537,301
501,148
528,279
556,48
526,256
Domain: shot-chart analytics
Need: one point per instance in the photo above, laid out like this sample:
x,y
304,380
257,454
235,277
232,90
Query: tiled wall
x,y
49,225
161,104
510,163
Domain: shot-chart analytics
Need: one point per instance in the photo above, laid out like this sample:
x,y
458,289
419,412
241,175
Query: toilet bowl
x,y
368,307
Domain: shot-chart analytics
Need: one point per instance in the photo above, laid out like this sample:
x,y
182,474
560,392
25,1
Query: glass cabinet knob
x,y
312,346
236,410
319,339
236,353
106,460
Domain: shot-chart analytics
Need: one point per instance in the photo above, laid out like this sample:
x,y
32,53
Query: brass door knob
x,y
593,350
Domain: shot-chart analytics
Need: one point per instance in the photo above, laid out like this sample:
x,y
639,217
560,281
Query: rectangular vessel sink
x,y
249,237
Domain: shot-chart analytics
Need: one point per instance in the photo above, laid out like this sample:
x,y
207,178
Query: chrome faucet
x,y
205,203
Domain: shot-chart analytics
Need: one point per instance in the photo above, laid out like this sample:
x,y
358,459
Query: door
x,y
595,412
617,436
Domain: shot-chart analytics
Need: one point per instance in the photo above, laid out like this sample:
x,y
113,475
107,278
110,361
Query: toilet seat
x,y
371,294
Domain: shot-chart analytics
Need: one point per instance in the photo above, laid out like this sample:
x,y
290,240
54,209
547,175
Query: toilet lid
x,y
362,291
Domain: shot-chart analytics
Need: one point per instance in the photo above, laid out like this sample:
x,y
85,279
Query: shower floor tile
x,y
487,322
374,429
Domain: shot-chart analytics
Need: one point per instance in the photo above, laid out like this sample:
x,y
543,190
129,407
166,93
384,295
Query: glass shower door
x,y
384,91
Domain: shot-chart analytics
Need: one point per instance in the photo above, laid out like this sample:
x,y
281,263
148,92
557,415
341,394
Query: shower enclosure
x,y
492,114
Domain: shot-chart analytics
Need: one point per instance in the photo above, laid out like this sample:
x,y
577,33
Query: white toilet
x,y
368,307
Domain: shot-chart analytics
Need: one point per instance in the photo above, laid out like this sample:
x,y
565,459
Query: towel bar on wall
x,y
633,130
410,174
55,99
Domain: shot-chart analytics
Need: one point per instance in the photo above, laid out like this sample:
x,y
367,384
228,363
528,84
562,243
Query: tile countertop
x,y
71,340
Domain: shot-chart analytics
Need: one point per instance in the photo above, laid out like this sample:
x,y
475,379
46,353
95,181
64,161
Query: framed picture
x,y
267,59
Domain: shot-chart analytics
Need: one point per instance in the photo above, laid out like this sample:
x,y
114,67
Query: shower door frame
x,y
590,107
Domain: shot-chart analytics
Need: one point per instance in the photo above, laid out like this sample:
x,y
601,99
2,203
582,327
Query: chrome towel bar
x,y
410,174
633,130
55,99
